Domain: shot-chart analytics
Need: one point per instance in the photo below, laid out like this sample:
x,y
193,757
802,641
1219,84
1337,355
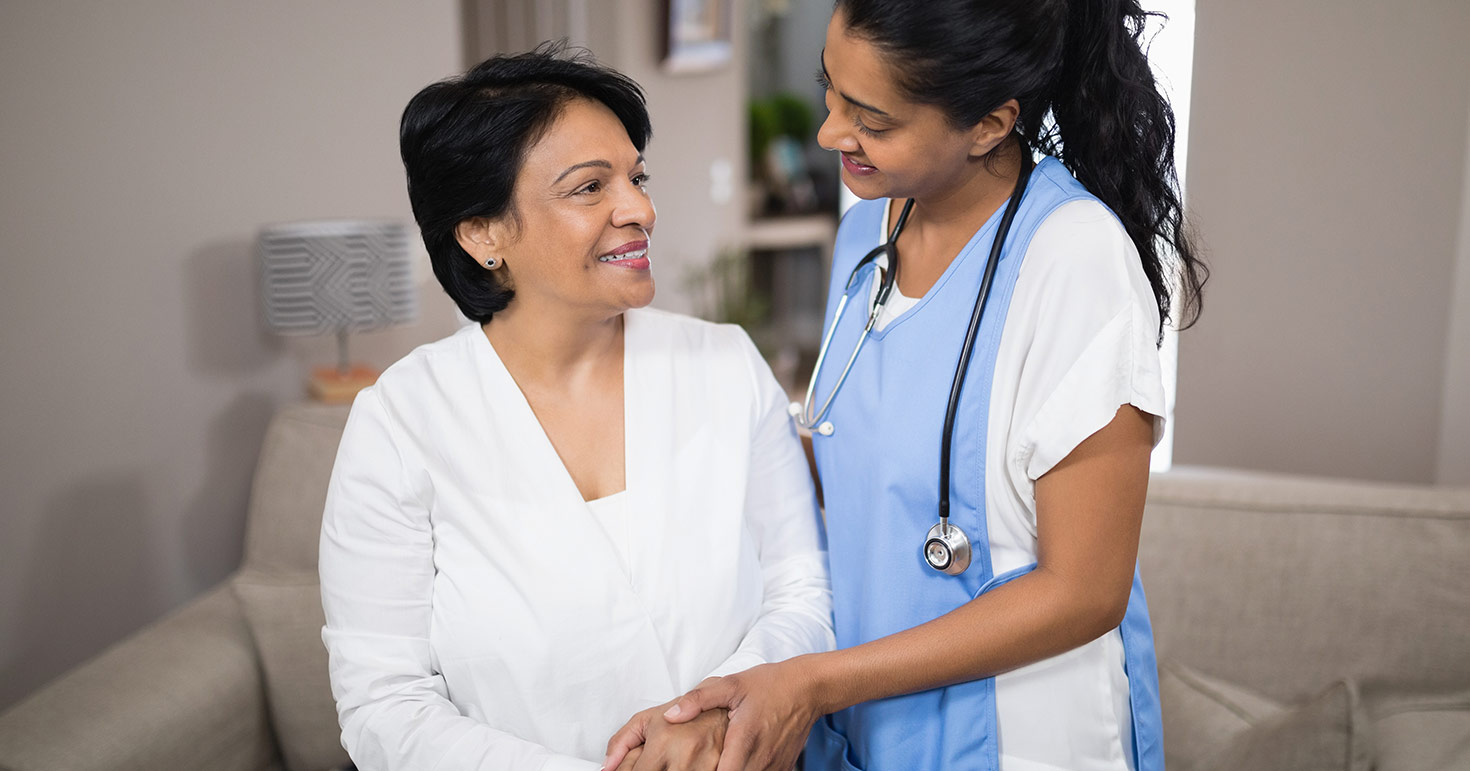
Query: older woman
x,y
574,508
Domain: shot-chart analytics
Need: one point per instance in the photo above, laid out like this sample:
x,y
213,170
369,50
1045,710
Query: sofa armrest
x,y
184,692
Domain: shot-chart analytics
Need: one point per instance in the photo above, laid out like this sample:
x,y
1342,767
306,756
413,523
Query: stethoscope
x,y
946,547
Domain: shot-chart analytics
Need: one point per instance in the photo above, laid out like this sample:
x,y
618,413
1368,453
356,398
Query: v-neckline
x,y
527,415
944,277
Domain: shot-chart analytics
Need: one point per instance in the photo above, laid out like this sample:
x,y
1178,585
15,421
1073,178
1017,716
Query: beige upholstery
x,y
234,681
1286,584
1280,585
184,694
277,584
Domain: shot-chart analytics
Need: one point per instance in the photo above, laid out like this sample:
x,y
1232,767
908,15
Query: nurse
x,y
1038,655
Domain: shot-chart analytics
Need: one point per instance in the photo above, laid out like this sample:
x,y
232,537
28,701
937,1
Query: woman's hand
x,y
629,761
771,712
694,745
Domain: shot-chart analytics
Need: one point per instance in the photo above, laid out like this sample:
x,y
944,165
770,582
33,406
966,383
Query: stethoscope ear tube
x,y
803,412
957,386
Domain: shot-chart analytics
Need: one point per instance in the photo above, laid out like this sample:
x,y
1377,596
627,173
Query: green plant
x,y
794,117
784,114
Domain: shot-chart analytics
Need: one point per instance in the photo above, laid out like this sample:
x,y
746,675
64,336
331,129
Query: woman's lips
x,y
853,167
632,255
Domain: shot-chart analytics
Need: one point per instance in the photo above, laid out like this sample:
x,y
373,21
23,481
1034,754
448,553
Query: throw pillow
x,y
1203,715
1420,730
1330,732
284,612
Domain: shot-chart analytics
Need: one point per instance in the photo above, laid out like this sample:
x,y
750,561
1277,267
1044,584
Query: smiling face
x,y
891,147
579,239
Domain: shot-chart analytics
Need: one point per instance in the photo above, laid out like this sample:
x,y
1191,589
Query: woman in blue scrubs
x,y
1038,656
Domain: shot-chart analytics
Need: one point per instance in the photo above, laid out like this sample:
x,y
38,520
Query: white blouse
x,y
479,616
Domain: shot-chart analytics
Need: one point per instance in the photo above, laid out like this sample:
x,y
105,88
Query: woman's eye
x,y
822,81
872,132
591,187
640,180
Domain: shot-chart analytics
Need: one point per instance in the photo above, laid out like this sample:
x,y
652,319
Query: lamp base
x,y
333,386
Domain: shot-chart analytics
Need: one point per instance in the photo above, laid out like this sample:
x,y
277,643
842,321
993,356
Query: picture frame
x,y
698,35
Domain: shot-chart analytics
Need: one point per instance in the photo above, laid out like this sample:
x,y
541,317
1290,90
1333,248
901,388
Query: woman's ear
x,y
483,240
994,128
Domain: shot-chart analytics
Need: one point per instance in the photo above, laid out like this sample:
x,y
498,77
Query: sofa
x,y
235,680
1300,623
1309,623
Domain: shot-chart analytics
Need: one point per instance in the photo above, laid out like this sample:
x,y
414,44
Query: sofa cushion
x,y
181,693
284,612
1213,725
1286,584
1330,732
277,584
289,491
1419,730
1203,715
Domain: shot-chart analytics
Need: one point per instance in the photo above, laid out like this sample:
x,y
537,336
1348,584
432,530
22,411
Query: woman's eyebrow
x,y
870,108
599,164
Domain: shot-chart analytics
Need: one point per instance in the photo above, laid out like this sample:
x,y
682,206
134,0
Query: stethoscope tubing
x,y
957,386
802,412
950,546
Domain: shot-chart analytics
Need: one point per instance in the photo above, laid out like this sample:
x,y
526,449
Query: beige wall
x,y
143,145
1326,173
698,121
1454,438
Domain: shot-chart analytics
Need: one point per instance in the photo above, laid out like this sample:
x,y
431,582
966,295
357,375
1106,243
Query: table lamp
x,y
336,276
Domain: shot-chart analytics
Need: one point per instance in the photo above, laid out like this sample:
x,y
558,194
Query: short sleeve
x,y
1086,339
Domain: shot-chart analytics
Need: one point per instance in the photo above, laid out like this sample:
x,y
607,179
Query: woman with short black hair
x,y
575,507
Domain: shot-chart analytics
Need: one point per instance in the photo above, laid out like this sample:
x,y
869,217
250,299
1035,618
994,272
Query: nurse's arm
x,y
1089,512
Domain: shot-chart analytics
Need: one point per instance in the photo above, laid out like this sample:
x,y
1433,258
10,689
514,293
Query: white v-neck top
x,y
479,613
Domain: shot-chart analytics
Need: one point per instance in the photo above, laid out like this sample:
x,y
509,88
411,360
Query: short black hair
x,y
463,141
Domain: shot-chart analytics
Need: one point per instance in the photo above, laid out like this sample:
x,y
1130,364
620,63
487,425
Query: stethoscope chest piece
x,y
947,549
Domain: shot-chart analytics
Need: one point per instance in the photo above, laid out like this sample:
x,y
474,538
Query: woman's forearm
x,y
1035,617
1089,514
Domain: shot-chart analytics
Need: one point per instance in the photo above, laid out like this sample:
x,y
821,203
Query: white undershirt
x,y
1078,342
898,302
611,511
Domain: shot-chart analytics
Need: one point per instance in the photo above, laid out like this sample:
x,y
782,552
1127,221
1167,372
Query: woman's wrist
x,y
826,688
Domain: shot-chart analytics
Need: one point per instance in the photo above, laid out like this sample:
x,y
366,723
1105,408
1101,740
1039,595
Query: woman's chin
x,y
639,296
644,298
864,187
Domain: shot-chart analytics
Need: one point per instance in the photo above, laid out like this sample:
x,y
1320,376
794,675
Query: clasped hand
x,y
770,713
687,746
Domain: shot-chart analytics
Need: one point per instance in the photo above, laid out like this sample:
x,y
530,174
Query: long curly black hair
x,y
1087,96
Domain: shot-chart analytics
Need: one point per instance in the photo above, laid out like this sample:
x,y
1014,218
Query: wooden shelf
x,y
792,232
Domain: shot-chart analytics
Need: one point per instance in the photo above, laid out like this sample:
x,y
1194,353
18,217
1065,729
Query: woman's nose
x,y
635,208
832,136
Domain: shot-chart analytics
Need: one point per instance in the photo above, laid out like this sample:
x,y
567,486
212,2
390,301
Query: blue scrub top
x,y
880,471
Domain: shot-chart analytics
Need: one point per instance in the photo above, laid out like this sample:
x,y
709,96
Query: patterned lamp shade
x,y
336,276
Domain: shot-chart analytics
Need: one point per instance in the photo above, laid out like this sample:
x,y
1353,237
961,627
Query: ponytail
x,y
1115,132
1087,96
